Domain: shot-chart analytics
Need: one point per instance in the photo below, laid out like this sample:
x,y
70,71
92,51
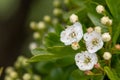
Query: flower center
x,y
87,60
95,41
73,34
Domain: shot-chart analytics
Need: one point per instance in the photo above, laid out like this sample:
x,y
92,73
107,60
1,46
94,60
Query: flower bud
x,y
106,21
97,29
100,9
36,35
13,74
117,46
33,25
106,37
89,73
73,18
36,77
75,45
41,25
8,78
90,29
9,70
66,2
26,76
97,66
32,46
56,3
55,21
57,11
47,18
107,55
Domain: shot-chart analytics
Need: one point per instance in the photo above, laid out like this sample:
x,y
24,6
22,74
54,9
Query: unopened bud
x,y
73,18
100,9
106,37
107,55
36,35
98,29
41,25
90,29
47,18
33,25
117,46
56,3
88,72
75,45
106,21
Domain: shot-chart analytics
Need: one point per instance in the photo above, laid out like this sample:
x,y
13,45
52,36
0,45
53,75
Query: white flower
x,y
93,41
72,34
106,20
85,60
73,18
107,55
100,9
98,29
106,37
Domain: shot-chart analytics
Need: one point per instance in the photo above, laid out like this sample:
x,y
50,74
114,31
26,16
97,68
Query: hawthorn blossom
x,y
93,41
85,60
72,34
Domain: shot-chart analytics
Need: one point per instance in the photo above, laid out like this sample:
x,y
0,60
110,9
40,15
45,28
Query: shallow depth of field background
x,y
15,34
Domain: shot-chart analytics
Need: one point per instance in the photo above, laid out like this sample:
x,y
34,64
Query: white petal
x,y
65,35
89,37
80,58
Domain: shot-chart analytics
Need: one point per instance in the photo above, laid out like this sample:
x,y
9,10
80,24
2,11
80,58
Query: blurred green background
x,y
15,34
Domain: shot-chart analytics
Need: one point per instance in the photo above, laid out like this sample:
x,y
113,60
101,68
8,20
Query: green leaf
x,y
62,50
110,73
116,34
65,61
77,74
52,53
38,51
52,40
95,17
58,29
45,57
114,7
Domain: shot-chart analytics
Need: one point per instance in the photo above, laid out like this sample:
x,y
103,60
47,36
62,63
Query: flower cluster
x,y
93,38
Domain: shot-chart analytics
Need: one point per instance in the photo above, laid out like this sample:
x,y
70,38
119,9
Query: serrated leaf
x,y
110,73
